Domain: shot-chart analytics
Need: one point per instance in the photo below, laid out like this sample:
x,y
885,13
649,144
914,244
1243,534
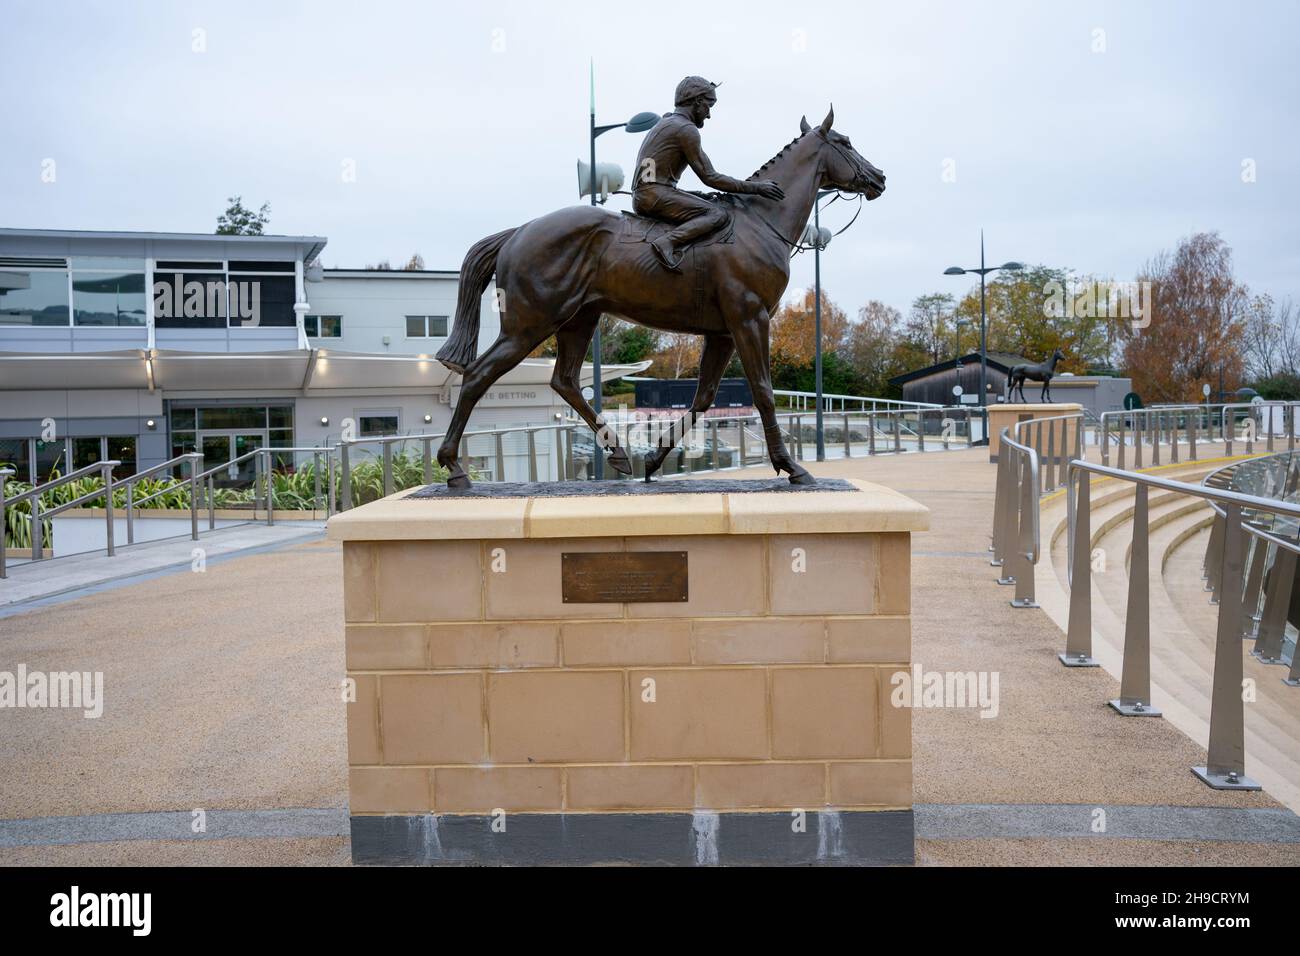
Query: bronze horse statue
x,y
1042,372
557,275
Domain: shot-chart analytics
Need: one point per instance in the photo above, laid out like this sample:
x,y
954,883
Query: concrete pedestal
x,y
496,719
1007,414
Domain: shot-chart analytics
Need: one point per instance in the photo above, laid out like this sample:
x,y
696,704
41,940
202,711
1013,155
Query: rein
x,y
798,247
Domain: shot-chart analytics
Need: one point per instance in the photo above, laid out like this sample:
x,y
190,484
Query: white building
x,y
143,346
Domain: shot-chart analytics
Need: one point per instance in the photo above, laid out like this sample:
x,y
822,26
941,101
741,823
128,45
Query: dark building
x,y
934,383
678,393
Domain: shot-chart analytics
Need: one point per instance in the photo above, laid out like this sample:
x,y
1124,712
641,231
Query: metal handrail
x,y
1225,560
105,468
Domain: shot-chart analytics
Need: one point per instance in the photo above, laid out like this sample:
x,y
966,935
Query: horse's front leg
x,y
718,350
749,330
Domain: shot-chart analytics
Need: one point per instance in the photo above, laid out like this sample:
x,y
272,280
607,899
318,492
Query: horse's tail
x,y
475,273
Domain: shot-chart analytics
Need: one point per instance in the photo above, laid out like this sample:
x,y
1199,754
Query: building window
x,y
323,326
193,299
376,424
33,296
108,292
426,326
262,300
122,448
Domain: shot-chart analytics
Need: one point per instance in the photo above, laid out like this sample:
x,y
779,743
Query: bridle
x,y
798,247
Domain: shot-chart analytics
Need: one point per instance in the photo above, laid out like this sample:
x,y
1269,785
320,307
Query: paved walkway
x,y
30,581
222,695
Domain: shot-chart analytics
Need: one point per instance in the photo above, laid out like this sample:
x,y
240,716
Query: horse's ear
x,y
826,123
803,124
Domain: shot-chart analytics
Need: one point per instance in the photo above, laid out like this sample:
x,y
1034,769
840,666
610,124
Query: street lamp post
x,y
983,270
637,124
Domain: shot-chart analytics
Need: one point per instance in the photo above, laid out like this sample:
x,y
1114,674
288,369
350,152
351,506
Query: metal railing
x,y
1225,765
1170,427
1272,547
263,490
808,401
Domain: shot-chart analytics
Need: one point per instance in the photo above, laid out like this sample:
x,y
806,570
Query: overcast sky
x,y
1081,134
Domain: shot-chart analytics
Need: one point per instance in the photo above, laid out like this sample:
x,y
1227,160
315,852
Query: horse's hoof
x,y
802,477
619,462
459,482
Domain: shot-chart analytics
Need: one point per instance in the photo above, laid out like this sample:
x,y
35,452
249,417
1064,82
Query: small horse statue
x,y
1042,372
557,275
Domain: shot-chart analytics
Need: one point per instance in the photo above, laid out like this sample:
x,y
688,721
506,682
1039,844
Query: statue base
x,y
694,676
1007,414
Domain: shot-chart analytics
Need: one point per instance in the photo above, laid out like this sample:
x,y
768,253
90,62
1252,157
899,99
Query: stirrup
x,y
664,258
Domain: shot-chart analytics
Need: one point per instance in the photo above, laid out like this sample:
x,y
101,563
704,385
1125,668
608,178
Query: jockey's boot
x,y
663,250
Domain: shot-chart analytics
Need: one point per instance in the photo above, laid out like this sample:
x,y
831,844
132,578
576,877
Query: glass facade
x,y
113,298
223,432
207,295
33,296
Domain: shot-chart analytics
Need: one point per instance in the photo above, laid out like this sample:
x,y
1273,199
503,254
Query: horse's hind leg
x,y
503,355
571,341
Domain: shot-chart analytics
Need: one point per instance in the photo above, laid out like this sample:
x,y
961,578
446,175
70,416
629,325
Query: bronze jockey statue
x,y
667,150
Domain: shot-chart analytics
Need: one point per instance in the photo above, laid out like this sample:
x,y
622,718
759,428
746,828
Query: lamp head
x,y
642,122
954,271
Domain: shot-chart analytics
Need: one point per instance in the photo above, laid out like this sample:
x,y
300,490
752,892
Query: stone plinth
x,y
496,721
1005,415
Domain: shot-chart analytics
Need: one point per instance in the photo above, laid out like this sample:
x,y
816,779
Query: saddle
x,y
634,228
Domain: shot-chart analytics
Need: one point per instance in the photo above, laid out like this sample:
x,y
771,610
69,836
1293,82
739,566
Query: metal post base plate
x,y
1291,683
1134,710
1074,660
995,563
1221,781
1016,602
1005,581
1263,659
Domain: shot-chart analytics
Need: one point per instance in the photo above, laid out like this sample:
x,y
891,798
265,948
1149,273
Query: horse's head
x,y
842,166
1058,355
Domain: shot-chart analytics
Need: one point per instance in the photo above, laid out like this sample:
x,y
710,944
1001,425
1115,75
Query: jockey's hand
x,y
769,190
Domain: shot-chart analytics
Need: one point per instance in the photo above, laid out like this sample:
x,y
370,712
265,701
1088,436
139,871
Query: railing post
x,y
1173,437
1024,573
532,455
1193,426
897,419
871,431
1123,439
1156,434
107,472
1078,640
388,468
848,441
1256,557
998,543
1010,514
333,485
130,523
498,447
315,482
196,466
4,529
346,477
426,457
920,429
1225,765
1135,680
1278,586
713,438
1049,466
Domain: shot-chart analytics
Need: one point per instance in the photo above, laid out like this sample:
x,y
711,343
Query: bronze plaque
x,y
623,577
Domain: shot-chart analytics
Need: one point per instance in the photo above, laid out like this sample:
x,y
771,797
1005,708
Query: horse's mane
x,y
756,173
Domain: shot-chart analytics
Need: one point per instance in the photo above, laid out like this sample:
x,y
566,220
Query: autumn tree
x,y
793,330
1195,328
678,356
871,346
929,328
